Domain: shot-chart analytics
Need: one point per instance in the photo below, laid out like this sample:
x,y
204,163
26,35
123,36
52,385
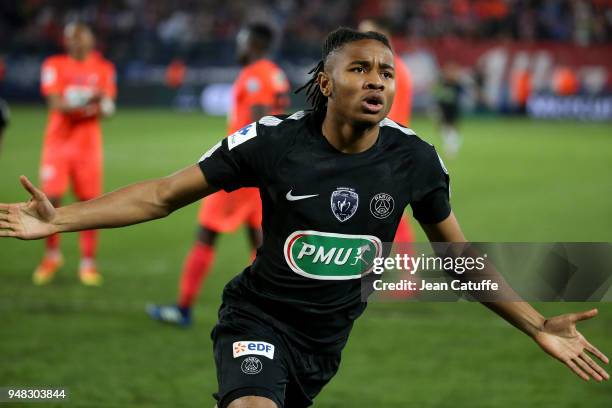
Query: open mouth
x,y
373,103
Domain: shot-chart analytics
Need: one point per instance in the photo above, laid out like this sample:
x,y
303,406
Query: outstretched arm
x,y
140,202
557,336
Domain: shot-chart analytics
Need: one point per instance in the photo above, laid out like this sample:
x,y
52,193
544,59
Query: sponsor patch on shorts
x,y
260,348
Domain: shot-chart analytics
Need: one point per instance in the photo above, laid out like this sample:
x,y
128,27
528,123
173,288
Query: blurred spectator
x,y
153,30
493,16
145,37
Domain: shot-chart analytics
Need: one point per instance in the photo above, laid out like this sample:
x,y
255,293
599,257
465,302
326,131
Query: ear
x,y
325,83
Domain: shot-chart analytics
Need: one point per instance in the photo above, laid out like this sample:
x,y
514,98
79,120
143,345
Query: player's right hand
x,y
30,220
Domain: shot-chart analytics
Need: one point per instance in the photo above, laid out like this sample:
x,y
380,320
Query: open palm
x,y
30,220
560,339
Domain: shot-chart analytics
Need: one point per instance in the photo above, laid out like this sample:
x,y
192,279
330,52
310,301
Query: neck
x,y
349,137
254,58
79,56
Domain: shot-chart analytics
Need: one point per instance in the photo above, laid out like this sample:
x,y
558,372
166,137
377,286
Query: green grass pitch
x,y
515,180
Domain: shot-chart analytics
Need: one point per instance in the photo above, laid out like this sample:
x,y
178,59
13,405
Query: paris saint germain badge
x,y
382,205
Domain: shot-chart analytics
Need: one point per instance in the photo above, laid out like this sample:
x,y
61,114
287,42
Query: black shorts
x,y
449,114
254,359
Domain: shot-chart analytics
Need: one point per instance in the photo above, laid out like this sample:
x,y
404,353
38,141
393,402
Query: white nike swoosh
x,y
296,198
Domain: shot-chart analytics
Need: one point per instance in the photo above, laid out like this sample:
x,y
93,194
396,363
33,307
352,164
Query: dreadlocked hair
x,y
334,40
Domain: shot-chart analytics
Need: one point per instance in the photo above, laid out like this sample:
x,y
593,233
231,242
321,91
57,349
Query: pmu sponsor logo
x,y
331,256
261,348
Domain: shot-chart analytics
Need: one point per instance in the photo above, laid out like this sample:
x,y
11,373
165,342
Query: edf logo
x,y
260,348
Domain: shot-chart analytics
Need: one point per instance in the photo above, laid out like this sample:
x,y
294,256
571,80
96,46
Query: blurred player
x,y
79,87
447,94
400,112
260,89
5,114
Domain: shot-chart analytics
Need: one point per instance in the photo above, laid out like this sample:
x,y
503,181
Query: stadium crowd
x,y
155,30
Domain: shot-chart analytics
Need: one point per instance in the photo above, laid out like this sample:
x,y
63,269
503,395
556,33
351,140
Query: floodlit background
x,y
535,166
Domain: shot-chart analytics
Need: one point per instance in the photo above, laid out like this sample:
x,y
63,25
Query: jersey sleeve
x,y
431,195
238,161
50,80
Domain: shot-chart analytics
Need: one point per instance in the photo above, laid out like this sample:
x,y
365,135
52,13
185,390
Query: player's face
x,y
79,40
361,84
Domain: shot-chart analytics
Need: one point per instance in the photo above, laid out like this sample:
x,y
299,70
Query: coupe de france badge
x,y
381,205
344,203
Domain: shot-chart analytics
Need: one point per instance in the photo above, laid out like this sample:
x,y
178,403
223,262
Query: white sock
x,y
452,140
54,254
87,263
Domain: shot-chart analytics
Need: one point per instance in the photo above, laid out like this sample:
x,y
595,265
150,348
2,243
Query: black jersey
x,y
325,217
448,96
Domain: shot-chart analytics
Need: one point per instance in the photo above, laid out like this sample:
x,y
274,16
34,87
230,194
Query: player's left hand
x,y
560,339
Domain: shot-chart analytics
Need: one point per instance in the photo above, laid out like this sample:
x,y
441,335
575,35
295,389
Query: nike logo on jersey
x,y
291,197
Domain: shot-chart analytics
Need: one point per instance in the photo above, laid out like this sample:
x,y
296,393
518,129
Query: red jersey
x,y
259,83
402,103
76,81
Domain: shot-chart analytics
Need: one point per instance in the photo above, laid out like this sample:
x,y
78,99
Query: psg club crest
x,y
381,205
344,203
251,365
